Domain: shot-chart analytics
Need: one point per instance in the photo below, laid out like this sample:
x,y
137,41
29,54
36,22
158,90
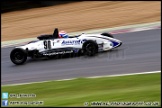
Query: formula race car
x,y
52,45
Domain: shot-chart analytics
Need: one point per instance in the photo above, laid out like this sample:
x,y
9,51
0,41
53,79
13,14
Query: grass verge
x,y
145,88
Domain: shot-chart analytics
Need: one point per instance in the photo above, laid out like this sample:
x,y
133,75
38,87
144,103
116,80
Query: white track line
x,y
117,75
124,74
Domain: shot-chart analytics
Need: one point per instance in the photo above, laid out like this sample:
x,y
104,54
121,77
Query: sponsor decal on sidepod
x,y
73,42
61,52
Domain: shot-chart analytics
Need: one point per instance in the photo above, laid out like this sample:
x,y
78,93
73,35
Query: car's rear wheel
x,y
90,48
18,56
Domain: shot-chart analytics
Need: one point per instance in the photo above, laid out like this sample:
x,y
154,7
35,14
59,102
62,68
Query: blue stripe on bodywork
x,y
114,43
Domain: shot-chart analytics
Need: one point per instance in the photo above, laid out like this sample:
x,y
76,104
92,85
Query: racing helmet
x,y
63,34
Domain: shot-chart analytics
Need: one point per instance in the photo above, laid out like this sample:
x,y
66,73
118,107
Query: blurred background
x,y
10,5
28,19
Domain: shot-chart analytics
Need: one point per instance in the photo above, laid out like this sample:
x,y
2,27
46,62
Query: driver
x,y
63,34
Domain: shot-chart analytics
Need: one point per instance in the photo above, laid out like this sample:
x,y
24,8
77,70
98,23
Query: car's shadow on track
x,y
104,55
69,56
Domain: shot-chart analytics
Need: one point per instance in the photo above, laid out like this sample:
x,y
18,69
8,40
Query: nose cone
x,y
120,43
116,43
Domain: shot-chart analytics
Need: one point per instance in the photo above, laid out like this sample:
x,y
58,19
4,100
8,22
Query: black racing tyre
x,y
108,35
18,56
90,48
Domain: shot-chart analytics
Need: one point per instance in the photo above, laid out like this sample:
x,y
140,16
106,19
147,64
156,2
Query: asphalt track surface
x,y
140,52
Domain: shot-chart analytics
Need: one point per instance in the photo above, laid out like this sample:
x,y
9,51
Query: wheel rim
x,y
18,56
90,48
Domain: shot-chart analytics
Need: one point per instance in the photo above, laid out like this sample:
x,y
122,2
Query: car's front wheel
x,y
18,56
90,48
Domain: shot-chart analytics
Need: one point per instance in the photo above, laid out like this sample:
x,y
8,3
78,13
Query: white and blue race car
x,y
52,45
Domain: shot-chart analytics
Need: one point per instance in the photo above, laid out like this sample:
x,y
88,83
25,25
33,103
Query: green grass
x,y
134,88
